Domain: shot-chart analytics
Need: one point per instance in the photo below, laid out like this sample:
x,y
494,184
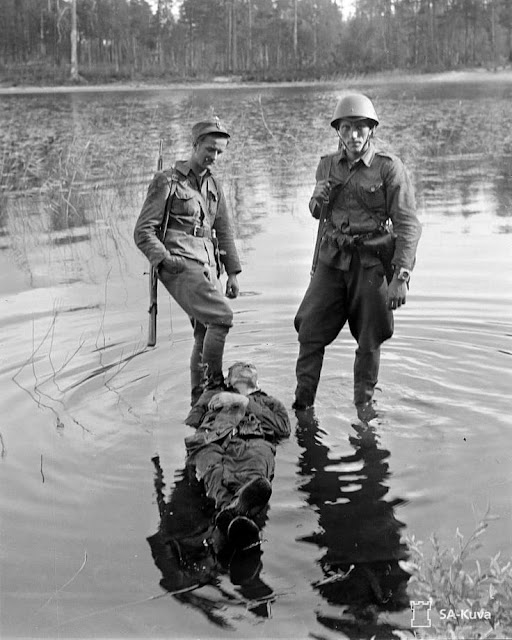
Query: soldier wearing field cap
x,y
198,244
361,269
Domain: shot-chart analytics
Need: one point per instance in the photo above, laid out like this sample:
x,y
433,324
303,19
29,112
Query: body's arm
x,y
199,410
271,413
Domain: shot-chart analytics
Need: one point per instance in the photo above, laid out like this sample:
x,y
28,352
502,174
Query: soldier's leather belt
x,y
191,229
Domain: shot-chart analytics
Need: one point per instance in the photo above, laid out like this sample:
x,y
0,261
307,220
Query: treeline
x,y
261,39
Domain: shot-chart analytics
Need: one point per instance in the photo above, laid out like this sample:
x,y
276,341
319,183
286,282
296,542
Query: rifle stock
x,y
321,223
153,276
153,306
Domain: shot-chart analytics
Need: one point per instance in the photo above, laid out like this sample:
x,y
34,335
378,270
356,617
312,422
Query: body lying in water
x,y
233,449
213,519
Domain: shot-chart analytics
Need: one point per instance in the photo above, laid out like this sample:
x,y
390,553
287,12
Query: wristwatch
x,y
402,274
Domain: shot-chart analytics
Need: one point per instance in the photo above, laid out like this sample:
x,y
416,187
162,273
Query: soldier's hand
x,y
322,190
397,293
232,288
173,264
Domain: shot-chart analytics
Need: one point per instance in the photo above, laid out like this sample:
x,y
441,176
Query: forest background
x,y
101,41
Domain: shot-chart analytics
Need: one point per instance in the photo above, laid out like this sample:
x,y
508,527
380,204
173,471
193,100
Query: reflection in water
x,y
188,554
357,530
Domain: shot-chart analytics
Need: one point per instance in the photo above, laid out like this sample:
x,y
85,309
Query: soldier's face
x,y
354,135
207,150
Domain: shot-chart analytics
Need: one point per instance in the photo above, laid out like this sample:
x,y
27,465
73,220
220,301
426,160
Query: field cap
x,y
213,126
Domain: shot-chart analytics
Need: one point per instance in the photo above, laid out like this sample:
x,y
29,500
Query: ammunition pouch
x,y
383,247
380,244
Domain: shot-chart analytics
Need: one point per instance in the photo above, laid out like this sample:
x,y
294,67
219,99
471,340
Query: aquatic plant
x,y
468,600
64,189
66,215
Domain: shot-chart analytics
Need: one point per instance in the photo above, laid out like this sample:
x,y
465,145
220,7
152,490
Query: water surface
x,y
85,407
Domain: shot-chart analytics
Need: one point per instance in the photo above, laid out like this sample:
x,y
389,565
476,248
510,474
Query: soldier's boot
x,y
252,498
304,399
366,371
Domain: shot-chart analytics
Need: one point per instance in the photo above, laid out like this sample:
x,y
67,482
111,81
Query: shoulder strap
x,y
342,183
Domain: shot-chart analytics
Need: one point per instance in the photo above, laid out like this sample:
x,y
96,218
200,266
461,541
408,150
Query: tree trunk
x,y
230,36
74,40
494,48
234,49
295,33
249,50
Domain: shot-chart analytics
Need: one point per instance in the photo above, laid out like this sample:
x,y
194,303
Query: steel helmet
x,y
355,105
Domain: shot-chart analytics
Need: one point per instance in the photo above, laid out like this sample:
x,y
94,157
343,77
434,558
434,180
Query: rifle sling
x,y
341,185
167,211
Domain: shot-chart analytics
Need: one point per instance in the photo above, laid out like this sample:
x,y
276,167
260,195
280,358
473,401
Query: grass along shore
x,y
153,84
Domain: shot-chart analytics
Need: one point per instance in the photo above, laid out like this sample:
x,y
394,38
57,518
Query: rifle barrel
x,y
160,162
153,278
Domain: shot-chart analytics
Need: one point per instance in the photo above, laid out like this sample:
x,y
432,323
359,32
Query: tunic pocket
x,y
185,202
373,194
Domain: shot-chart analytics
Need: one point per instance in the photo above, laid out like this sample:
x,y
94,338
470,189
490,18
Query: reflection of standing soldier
x,y
358,190
357,529
186,259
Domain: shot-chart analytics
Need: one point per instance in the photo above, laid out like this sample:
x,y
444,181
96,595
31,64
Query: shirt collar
x,y
183,166
366,158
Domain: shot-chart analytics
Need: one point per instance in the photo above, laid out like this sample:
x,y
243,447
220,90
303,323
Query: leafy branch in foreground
x,y
469,601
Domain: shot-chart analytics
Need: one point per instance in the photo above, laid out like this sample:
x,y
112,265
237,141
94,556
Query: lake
x,y
86,407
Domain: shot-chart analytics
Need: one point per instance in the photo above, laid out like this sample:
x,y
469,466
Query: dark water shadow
x,y
193,565
358,532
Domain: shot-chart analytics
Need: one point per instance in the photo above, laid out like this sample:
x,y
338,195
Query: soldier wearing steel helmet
x,y
359,191
187,261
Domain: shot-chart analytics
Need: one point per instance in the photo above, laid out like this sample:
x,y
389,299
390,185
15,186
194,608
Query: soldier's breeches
x,y
225,468
197,291
333,298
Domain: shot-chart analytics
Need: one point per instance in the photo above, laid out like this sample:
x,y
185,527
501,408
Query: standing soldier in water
x,y
361,270
186,259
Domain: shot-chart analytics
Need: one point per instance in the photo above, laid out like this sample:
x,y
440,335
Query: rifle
x,y
153,276
324,210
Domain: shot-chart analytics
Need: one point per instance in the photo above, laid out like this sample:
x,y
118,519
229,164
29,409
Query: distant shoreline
x,y
228,83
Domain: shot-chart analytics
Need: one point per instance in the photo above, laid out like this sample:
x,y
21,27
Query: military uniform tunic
x,y
379,190
192,205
